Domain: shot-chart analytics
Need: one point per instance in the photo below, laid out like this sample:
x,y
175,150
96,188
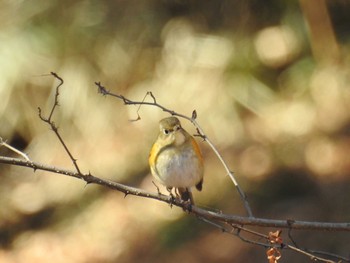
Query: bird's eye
x,y
166,132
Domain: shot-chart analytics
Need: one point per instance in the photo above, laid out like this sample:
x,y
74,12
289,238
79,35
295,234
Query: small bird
x,y
176,160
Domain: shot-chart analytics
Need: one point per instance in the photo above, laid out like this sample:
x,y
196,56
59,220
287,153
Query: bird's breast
x,y
179,167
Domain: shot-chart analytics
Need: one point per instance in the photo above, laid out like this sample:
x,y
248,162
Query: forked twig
x,y
192,119
53,125
5,144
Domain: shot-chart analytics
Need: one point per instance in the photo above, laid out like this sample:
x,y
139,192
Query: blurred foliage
x,y
269,80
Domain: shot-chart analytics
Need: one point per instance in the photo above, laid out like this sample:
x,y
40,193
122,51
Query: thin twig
x,y
228,171
139,107
328,255
5,144
291,238
284,245
315,251
56,95
312,256
241,229
192,119
53,125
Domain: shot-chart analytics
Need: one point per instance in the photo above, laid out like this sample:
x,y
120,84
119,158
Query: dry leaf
x,y
274,237
273,255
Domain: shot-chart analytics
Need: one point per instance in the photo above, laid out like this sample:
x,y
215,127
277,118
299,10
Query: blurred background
x,y
269,81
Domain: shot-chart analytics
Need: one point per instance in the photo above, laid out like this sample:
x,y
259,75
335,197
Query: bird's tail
x,y
186,195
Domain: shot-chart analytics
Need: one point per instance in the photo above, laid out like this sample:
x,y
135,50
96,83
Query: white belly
x,y
178,170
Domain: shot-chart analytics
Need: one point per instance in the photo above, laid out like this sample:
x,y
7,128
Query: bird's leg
x,y
169,189
177,193
158,191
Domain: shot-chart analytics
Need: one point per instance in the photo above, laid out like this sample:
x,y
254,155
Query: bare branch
x,y
268,244
311,256
3,143
151,94
139,107
52,124
331,255
200,131
210,215
56,95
